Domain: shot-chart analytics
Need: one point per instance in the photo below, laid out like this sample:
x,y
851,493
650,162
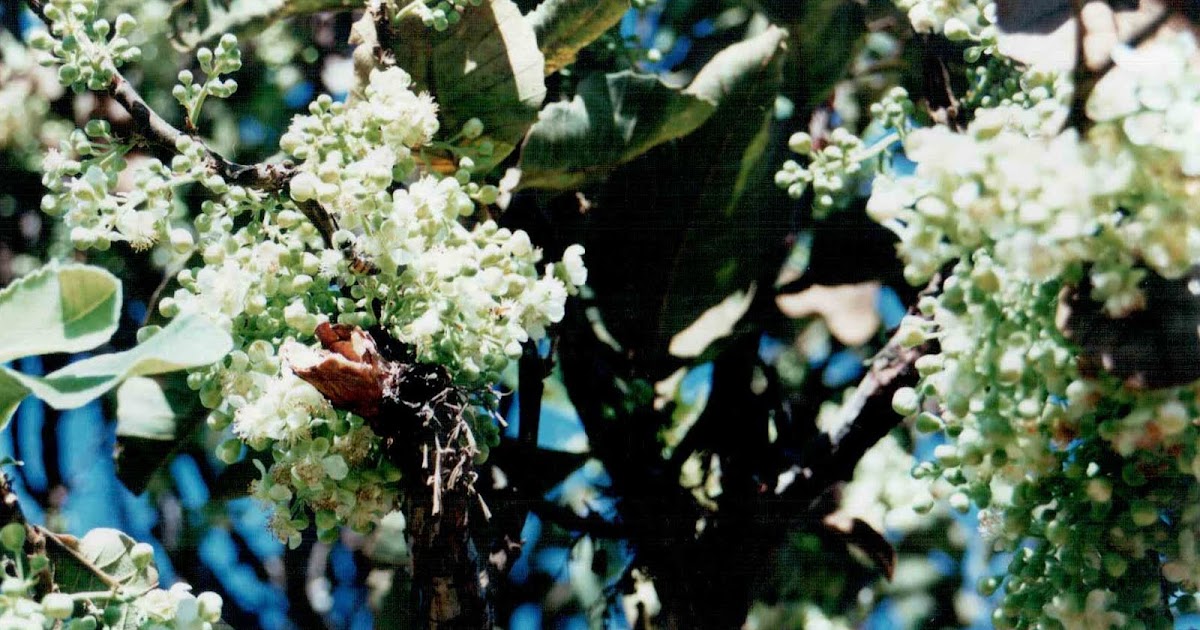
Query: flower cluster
x,y
440,14
225,59
465,298
1014,217
958,20
26,91
79,43
103,198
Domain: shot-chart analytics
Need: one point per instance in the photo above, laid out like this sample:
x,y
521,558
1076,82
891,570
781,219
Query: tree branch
x,y
154,131
868,417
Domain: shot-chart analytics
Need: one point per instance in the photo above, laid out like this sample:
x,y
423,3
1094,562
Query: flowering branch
x,y
154,131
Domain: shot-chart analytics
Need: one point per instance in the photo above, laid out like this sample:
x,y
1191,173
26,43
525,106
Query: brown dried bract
x,y
349,371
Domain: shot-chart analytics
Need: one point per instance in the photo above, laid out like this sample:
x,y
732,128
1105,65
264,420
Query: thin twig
x,y
154,131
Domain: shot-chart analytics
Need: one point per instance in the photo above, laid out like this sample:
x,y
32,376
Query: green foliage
x,y
613,119
564,27
701,219
199,21
186,342
59,308
486,66
74,308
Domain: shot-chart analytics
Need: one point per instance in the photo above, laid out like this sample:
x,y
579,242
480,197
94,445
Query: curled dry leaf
x,y
349,371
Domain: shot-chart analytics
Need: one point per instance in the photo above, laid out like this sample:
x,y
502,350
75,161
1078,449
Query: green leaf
x,y
564,27
198,21
188,341
145,411
613,119
825,38
67,308
487,66
680,230
97,562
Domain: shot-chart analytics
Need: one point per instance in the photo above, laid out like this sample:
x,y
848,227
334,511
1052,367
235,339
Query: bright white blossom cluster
x,y
958,20
401,258
104,198
1013,216
465,298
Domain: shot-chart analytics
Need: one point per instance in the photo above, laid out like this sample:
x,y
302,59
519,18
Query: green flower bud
x,y
906,401
472,129
230,451
12,536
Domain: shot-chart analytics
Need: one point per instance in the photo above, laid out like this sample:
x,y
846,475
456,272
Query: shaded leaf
x,y
487,66
534,470
825,37
564,27
613,119
67,308
188,341
680,230
715,323
154,416
195,22
1155,347
871,543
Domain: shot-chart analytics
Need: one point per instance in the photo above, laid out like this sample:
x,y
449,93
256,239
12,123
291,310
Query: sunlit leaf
x,y
487,66
67,308
188,341
564,27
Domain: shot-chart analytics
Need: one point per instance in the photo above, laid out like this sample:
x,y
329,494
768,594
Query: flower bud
x,y
58,605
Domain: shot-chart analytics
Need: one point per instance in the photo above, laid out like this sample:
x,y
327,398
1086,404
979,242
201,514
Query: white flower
x,y
573,261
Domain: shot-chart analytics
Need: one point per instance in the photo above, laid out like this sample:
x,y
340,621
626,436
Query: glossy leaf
x,y
564,27
613,119
682,229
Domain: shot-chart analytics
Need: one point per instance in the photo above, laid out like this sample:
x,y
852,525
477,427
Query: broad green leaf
x,y
198,21
564,27
688,225
144,411
67,308
188,341
825,38
487,66
154,416
613,119
98,561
